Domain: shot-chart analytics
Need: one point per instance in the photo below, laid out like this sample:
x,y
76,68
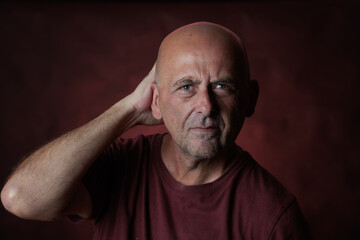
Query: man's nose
x,y
206,102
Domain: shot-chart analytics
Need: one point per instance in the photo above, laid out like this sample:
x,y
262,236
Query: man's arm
x,y
47,185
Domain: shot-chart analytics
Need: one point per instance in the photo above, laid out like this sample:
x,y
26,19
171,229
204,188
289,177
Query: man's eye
x,y
221,86
186,87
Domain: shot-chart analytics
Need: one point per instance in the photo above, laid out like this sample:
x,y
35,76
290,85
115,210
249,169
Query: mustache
x,y
204,122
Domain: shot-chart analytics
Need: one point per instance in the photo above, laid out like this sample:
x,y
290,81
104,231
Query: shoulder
x,y
266,203
260,197
137,144
119,167
262,184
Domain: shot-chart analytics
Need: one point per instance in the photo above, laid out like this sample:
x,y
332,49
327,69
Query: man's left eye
x,y
221,86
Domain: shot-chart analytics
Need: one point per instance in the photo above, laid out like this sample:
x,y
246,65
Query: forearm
x,y
44,184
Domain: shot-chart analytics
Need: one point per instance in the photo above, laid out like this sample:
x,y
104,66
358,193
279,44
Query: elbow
x,y
14,203
10,201
21,204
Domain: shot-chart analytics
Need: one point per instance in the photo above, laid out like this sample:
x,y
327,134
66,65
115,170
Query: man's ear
x,y
155,102
253,97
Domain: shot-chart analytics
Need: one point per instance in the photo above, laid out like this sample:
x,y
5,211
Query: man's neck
x,y
189,171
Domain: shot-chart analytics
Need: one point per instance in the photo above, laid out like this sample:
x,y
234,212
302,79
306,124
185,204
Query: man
x,y
192,183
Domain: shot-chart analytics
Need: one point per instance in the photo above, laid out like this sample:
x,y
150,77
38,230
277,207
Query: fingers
x,y
152,72
153,68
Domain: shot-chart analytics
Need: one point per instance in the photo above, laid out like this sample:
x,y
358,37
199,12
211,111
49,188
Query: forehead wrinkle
x,y
203,38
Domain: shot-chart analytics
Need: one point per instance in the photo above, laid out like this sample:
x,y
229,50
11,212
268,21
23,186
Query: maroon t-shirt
x,y
135,197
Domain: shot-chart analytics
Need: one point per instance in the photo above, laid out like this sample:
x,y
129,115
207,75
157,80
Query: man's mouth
x,y
210,129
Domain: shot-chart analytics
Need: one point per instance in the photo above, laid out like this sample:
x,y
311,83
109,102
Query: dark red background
x,y
63,64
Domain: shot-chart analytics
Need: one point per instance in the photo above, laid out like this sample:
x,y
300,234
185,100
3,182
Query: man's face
x,y
201,99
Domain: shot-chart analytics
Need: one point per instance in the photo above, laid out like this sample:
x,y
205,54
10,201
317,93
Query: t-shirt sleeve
x,y
103,175
291,224
112,170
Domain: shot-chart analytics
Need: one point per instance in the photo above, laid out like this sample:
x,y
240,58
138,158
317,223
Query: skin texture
x,y
47,185
202,95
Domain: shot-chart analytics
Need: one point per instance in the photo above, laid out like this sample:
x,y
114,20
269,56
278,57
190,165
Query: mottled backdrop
x,y
63,64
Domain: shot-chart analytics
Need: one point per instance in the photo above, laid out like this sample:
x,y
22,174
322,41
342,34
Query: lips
x,y
209,129
204,125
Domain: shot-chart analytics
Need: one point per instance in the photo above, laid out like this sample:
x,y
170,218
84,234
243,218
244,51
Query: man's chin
x,y
203,150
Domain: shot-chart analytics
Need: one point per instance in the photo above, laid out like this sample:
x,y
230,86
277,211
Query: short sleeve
x,y
102,176
113,172
291,224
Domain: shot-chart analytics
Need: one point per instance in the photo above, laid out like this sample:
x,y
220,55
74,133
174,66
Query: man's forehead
x,y
201,42
196,65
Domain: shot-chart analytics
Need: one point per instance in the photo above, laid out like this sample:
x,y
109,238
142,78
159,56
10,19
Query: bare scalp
x,y
203,35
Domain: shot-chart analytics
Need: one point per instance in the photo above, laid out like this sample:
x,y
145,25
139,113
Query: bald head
x,y
203,39
203,91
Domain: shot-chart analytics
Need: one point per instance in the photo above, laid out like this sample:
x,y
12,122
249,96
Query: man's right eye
x,y
186,87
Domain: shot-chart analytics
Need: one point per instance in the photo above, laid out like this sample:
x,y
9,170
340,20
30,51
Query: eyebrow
x,y
185,81
190,80
225,80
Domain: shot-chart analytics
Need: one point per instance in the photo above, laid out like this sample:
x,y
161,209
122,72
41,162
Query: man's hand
x,y
47,184
141,100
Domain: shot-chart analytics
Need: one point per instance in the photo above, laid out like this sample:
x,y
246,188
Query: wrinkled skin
x,y
202,90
